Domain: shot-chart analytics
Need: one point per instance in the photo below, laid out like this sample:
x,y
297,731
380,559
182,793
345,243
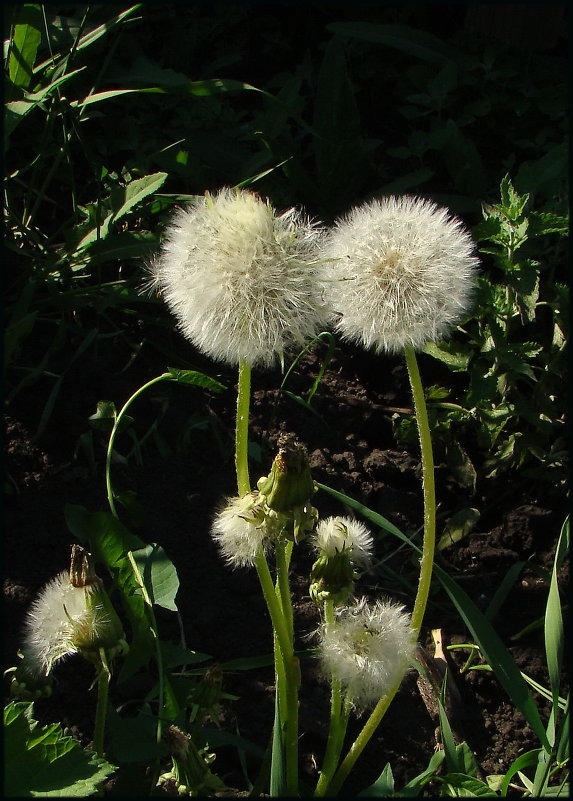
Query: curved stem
x,y
127,404
428,488
242,429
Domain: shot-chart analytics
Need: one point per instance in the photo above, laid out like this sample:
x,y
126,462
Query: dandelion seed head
x,y
240,530
336,534
399,271
367,649
241,279
55,615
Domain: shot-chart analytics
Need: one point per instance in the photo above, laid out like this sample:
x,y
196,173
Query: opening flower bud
x,y
289,485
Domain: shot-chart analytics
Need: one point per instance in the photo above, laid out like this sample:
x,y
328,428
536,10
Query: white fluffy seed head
x,y
367,649
399,271
241,279
336,534
240,530
52,620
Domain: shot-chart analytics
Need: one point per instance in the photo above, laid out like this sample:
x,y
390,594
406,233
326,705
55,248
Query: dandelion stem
x,y
338,721
101,708
285,670
428,488
426,564
242,428
290,712
362,740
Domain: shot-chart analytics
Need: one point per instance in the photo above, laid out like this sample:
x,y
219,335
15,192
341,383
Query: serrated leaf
x,y
44,762
454,355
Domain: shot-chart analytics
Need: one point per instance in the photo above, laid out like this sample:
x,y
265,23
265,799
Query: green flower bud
x,y
289,485
190,764
332,578
207,695
28,681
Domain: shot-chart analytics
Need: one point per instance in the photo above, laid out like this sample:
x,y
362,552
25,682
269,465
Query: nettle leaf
x,y
42,761
454,355
545,222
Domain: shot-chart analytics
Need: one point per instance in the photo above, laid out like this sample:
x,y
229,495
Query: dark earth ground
x,y
352,449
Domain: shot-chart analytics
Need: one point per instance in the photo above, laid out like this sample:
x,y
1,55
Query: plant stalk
x,y
426,563
101,708
242,429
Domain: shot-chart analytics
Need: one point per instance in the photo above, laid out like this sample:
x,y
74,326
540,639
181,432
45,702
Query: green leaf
x,y
159,575
382,787
107,538
457,526
41,761
105,417
134,739
196,379
24,44
454,355
458,784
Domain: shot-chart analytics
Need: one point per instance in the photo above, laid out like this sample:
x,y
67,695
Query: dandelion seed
x,y
240,530
367,649
399,271
241,279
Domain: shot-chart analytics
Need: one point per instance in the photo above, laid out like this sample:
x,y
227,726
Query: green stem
x,y
242,429
426,563
362,740
118,419
429,491
338,721
283,553
101,708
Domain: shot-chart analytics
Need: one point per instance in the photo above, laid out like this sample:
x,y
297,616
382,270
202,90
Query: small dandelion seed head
x,y
49,628
367,649
336,534
241,279
240,531
399,271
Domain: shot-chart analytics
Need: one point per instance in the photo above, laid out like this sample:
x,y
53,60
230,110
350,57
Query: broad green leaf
x,y
174,655
41,761
159,575
24,44
104,535
134,739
